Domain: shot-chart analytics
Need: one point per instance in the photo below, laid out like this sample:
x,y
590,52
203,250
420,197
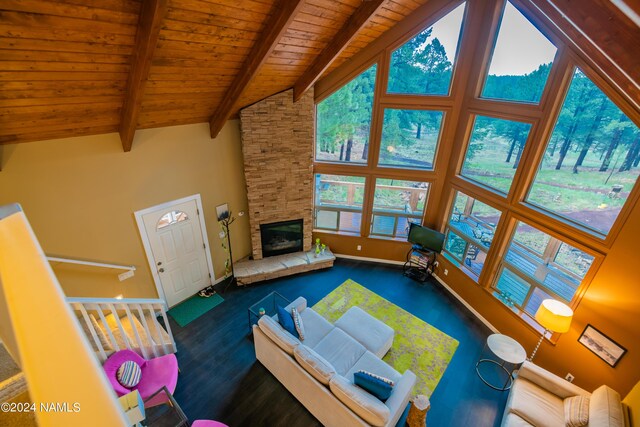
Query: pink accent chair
x,y
207,423
156,373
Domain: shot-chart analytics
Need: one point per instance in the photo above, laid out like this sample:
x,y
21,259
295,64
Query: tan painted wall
x,y
80,195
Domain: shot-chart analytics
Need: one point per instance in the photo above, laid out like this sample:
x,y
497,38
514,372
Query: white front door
x,y
176,241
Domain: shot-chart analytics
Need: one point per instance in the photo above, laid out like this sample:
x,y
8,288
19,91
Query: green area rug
x,y
417,345
189,310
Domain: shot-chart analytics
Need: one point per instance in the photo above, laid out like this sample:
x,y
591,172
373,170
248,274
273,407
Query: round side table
x,y
508,352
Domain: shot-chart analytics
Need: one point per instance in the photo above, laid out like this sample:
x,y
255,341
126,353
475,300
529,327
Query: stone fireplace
x,y
277,147
283,237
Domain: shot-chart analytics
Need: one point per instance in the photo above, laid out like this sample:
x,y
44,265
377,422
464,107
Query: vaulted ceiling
x,y
81,67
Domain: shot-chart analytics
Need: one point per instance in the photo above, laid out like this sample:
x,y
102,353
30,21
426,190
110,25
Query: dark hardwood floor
x,y
221,380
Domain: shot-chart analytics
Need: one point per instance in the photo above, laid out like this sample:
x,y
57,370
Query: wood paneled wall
x,y
64,64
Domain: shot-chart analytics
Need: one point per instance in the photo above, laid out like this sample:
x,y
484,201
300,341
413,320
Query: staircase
x,y
113,324
110,325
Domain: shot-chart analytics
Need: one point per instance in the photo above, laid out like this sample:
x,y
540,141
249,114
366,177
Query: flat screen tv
x,y
425,237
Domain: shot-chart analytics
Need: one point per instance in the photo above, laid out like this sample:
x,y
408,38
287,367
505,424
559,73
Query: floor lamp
x,y
553,316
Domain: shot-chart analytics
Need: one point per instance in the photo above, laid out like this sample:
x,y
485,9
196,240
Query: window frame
x,y
448,228
486,63
480,25
372,212
424,24
583,231
379,64
443,125
581,289
485,190
317,208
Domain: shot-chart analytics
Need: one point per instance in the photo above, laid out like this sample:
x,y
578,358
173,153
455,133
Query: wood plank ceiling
x,y
65,65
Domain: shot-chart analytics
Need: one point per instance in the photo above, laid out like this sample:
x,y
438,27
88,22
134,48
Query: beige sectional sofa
x,y
537,398
319,370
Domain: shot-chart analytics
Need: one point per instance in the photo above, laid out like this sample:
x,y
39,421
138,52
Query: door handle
x,y
161,270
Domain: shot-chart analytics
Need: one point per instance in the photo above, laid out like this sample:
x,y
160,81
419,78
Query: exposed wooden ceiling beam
x,y
348,31
629,8
152,14
283,14
602,33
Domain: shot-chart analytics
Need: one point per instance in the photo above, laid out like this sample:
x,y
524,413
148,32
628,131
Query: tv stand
x,y
419,264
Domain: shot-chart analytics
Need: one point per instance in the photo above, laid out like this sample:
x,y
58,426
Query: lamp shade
x,y
554,316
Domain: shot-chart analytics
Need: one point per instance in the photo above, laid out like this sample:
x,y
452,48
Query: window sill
x,y
461,267
336,232
402,239
526,319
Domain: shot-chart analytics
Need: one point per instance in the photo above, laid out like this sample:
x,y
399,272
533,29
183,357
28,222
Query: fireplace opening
x,y
281,237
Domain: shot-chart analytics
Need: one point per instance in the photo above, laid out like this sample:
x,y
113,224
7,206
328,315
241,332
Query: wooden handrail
x,y
91,263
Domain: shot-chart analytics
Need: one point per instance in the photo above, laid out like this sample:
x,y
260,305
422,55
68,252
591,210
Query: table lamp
x,y
553,316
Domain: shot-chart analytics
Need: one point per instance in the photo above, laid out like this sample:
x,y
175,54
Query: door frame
x,y
147,245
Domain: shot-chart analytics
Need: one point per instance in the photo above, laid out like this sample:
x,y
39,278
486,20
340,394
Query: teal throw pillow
x,y
378,386
286,321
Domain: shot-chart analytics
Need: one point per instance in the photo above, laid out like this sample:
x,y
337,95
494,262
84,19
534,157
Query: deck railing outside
x,y
345,215
525,278
531,279
477,235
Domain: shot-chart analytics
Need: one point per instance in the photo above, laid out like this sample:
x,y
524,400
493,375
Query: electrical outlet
x,y
125,275
446,272
359,247
569,377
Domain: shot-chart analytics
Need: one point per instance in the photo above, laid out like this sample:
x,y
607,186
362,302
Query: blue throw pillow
x,y
286,321
378,386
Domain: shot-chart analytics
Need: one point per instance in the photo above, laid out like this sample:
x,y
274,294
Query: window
x,y
591,161
494,151
397,203
344,121
470,231
410,138
171,218
521,60
338,203
424,64
538,266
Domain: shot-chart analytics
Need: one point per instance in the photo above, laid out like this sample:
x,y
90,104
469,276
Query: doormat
x,y
189,310
417,346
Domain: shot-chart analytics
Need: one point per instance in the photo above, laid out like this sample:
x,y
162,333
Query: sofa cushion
x,y
316,327
513,420
375,335
274,331
576,411
340,350
370,363
605,408
314,364
370,409
286,321
535,405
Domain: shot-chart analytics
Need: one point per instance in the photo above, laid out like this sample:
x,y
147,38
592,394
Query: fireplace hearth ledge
x,y
250,271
